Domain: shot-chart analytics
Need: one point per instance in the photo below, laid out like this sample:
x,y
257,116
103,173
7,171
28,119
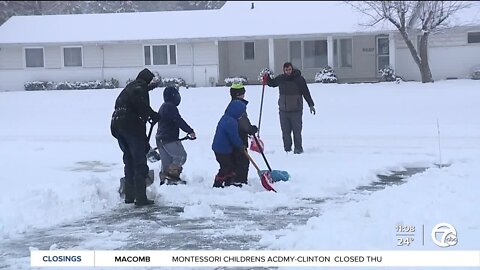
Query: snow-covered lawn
x,y
60,163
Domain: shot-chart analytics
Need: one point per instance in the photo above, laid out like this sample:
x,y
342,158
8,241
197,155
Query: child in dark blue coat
x,y
226,142
172,152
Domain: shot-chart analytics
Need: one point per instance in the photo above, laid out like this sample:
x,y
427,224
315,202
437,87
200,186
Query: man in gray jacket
x,y
292,87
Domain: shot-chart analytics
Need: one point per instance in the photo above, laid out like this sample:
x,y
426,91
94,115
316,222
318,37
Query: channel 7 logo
x,y
444,235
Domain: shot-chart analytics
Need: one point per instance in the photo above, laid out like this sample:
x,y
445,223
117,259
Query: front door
x,y
383,53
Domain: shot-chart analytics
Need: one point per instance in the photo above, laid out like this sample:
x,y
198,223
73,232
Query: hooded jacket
x,y
170,122
226,138
245,127
291,89
132,106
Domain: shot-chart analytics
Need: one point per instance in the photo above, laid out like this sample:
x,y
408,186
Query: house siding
x,y
364,57
92,56
123,55
450,56
11,58
53,57
236,65
281,54
222,61
185,54
197,63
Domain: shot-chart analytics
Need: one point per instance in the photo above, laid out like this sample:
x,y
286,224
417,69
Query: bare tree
x,y
412,18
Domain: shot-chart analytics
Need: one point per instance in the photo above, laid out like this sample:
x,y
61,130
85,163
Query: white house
x,y
205,47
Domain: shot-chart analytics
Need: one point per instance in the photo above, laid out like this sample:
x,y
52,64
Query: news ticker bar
x,y
252,258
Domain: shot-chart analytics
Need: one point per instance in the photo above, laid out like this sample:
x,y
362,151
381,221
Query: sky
x,y
61,166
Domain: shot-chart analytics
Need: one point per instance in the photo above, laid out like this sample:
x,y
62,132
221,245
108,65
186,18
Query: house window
x,y
383,52
160,55
314,53
296,53
342,53
34,57
346,52
173,55
148,57
308,53
474,37
248,50
72,57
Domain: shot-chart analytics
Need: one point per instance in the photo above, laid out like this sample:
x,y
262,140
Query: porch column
x,y
391,50
330,51
271,55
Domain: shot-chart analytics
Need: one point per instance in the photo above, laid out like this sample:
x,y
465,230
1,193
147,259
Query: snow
x,y
60,163
234,20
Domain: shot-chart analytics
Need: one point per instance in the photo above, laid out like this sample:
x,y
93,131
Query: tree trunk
x,y
422,60
424,66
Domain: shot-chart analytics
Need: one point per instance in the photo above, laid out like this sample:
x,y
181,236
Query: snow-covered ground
x,y
59,162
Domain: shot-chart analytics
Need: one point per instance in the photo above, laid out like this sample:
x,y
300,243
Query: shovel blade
x,y
266,180
257,147
278,175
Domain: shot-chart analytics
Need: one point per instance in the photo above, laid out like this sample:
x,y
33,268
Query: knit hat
x,y
237,89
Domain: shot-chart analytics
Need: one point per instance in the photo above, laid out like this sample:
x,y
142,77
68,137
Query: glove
x,y
312,110
192,136
153,119
253,130
265,78
154,84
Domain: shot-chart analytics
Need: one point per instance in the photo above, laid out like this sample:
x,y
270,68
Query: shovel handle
x,y
261,152
150,131
251,160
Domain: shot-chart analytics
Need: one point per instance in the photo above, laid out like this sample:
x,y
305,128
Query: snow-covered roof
x,y
235,20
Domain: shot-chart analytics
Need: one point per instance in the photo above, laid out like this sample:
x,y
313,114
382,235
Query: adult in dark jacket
x,y
245,128
292,87
172,152
226,142
132,111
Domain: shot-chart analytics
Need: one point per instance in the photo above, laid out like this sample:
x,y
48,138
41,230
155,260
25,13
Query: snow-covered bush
x,y
174,81
388,74
38,85
112,83
326,75
47,85
263,72
476,73
239,79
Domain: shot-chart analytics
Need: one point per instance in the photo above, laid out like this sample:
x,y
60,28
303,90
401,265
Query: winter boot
x,y
173,175
219,181
298,150
141,194
230,180
129,189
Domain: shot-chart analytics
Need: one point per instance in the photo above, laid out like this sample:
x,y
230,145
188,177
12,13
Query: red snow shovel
x,y
257,145
265,177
